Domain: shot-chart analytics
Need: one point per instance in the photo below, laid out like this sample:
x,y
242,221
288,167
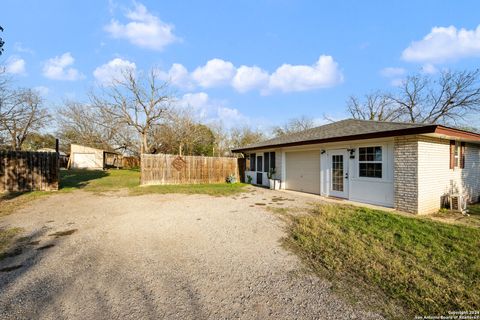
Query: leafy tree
x,y
36,140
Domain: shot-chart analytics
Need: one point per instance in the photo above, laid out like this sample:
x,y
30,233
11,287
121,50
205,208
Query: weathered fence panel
x,y
28,171
173,169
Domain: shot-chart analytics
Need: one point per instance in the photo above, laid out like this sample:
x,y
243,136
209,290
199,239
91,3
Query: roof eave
x,y
373,135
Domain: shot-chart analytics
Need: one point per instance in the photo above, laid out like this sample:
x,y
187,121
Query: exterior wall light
x,y
352,153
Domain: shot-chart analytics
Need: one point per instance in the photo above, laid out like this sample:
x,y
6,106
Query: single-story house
x,y
407,166
83,157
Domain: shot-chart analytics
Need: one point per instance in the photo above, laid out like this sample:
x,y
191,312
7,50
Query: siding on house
x,y
436,179
471,173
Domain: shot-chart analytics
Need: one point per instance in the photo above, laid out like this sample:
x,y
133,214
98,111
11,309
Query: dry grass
x,y
6,239
419,266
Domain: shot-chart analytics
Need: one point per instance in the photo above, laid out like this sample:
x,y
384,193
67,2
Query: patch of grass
x,y
471,219
474,209
6,240
214,189
9,202
112,180
97,180
423,266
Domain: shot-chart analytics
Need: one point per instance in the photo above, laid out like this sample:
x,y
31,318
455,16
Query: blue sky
x,y
255,62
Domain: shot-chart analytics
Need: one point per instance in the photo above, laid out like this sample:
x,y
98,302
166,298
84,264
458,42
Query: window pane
x,y
259,163
252,161
370,170
362,154
266,162
272,160
378,153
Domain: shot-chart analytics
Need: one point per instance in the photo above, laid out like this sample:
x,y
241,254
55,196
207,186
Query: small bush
x,y
231,179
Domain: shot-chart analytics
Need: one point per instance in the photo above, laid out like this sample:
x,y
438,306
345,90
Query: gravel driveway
x,y
160,256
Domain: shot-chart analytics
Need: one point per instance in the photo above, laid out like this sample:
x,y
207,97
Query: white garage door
x,y
84,160
303,171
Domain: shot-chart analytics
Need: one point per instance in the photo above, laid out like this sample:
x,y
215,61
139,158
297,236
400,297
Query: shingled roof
x,y
344,130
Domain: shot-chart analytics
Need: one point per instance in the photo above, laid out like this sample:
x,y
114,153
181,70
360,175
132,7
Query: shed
x,y
83,157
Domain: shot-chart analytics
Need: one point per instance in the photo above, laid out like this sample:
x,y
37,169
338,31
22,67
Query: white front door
x,y
338,172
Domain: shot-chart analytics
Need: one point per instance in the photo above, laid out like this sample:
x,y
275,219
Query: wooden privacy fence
x,y
28,171
173,169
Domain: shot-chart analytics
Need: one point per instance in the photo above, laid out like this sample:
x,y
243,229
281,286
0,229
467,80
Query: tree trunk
x,y
144,147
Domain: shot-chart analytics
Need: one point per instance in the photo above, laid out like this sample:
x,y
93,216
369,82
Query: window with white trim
x,y
370,162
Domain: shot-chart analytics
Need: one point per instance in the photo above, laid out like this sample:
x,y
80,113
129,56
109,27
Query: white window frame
x,y
382,162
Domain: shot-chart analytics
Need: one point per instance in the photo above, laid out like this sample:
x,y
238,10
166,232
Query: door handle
x,y
346,175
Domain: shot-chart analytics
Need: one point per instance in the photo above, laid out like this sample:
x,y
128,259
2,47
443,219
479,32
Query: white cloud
x,y
112,70
58,68
444,44
395,74
18,46
178,76
287,78
248,78
324,73
15,65
390,72
209,110
143,29
214,73
429,68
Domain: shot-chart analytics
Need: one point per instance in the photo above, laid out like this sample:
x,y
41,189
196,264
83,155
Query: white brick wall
x,y
405,173
436,179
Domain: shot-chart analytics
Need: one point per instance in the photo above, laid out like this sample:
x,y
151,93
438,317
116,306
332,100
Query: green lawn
x,y
408,266
112,180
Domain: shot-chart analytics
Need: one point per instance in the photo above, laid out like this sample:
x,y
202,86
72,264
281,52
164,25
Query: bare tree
x,y
375,106
449,98
243,136
24,114
82,124
2,43
139,102
294,125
